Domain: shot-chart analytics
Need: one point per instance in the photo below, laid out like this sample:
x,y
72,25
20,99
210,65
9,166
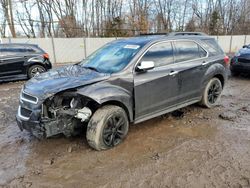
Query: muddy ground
x,y
202,148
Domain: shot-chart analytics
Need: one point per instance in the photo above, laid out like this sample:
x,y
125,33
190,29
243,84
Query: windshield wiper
x,y
92,68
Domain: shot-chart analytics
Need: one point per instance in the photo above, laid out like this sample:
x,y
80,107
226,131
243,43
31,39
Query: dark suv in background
x,y
125,81
21,61
240,63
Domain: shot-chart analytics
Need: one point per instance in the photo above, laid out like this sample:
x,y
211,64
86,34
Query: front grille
x,y
243,60
28,98
25,112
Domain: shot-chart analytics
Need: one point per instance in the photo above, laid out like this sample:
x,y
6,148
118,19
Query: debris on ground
x,y
228,115
49,161
156,156
69,149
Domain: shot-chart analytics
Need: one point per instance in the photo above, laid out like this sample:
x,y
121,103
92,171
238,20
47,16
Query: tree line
x,y
121,18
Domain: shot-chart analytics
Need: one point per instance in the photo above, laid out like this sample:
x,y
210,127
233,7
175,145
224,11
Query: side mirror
x,y
245,46
145,65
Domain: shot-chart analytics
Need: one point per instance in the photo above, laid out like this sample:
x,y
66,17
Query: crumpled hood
x,y
56,80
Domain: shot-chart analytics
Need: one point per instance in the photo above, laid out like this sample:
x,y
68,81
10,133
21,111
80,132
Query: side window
x,y
188,50
202,52
19,49
30,50
212,46
6,50
161,54
15,49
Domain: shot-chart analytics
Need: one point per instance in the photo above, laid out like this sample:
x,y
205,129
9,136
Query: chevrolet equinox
x,y
125,82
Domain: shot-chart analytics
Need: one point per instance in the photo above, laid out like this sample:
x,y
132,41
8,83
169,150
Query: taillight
x,y
226,60
46,56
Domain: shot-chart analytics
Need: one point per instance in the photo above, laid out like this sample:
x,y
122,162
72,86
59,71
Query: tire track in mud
x,y
199,149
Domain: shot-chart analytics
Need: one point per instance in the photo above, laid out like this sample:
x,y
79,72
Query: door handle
x,y
172,73
205,63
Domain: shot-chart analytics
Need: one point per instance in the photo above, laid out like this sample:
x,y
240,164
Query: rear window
x,y
212,47
34,49
188,50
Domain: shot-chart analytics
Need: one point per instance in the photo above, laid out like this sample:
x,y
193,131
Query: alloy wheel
x,y
36,71
114,130
214,92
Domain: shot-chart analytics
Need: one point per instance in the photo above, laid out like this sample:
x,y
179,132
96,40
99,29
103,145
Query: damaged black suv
x,y
126,81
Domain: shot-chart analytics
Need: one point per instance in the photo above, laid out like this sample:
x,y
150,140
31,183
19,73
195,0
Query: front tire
x,y
212,93
35,70
107,128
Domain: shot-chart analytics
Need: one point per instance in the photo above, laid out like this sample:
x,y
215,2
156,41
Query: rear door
x,y
191,64
13,59
156,89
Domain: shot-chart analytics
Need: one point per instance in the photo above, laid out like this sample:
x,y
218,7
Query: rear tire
x,y
212,93
35,69
107,128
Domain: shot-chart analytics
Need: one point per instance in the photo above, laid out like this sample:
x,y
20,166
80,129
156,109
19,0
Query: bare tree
x,y
8,14
25,19
74,18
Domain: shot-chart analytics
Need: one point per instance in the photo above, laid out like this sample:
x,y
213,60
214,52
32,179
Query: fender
x,y
31,60
216,69
104,92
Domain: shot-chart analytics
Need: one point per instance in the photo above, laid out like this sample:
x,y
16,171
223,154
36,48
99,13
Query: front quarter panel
x,y
105,92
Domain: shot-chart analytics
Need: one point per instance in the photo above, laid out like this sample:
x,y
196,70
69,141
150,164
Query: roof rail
x,y
149,34
186,33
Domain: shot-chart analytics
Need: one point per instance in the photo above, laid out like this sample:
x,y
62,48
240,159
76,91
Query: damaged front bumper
x,y
32,126
46,127
30,116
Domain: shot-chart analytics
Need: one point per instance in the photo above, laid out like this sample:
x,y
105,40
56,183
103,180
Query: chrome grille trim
x,y
20,114
22,97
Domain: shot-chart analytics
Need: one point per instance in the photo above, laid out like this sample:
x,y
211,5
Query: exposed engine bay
x,y
65,113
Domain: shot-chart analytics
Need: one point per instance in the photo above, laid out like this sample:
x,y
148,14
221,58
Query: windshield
x,y
111,58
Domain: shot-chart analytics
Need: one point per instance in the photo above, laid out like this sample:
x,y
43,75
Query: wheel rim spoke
x,y
113,132
119,133
120,123
107,133
214,92
36,70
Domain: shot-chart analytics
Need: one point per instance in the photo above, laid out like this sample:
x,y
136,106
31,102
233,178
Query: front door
x,y
157,89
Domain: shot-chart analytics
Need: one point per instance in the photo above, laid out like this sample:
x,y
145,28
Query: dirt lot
x,y
202,148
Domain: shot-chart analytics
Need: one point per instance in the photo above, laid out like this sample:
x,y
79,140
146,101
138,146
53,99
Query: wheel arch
x,y
215,71
32,64
94,105
120,104
35,63
109,95
221,78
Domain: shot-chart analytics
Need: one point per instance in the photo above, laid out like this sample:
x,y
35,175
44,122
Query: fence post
x,y
85,47
245,40
230,50
53,49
